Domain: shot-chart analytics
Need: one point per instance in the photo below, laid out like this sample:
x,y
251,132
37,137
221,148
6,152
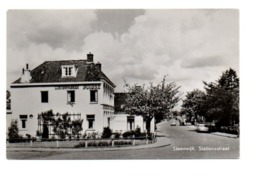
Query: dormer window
x,y
69,71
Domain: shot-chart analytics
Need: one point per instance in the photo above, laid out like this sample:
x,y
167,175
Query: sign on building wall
x,y
91,87
87,87
66,87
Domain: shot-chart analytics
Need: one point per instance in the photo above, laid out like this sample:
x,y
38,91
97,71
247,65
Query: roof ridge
x,y
65,60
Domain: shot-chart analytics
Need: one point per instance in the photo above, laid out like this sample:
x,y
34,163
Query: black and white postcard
x,y
122,84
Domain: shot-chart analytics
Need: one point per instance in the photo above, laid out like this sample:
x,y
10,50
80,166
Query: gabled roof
x,y
50,72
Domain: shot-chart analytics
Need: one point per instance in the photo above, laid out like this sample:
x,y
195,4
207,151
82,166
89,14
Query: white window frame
x,y
69,71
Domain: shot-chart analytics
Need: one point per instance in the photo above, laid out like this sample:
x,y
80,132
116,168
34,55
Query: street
x,y
186,143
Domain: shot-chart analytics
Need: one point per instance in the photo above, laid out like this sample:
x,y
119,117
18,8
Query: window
x,y
68,71
71,97
130,122
91,120
23,124
44,96
23,120
93,96
108,121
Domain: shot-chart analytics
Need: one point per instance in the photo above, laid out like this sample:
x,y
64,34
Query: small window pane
x,y
44,96
23,120
108,121
91,120
23,123
71,96
70,68
93,96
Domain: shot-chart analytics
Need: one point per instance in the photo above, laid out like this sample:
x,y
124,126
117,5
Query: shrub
x,y
92,144
128,134
122,142
38,133
137,132
81,144
13,132
76,127
107,132
230,129
103,143
117,135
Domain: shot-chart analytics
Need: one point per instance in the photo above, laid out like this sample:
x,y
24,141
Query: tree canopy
x,y
62,124
220,102
152,100
223,99
194,104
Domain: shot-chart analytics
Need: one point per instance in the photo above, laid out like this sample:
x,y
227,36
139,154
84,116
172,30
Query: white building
x,y
122,121
77,87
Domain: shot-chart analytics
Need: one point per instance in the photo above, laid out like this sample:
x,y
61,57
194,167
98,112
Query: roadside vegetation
x,y
217,105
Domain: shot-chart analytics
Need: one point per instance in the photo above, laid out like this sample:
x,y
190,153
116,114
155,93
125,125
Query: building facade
x,y
122,121
76,87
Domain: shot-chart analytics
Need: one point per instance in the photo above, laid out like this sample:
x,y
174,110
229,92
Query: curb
x,y
159,143
225,135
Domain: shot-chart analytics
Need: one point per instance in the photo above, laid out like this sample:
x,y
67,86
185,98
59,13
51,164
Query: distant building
x,y
123,121
76,87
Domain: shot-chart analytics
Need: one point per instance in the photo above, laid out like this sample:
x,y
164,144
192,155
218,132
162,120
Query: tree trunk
x,y
45,133
148,124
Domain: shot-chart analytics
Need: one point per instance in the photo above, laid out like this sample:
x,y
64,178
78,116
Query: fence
x,y
78,143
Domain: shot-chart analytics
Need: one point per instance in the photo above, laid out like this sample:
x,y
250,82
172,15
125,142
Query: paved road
x,y
185,144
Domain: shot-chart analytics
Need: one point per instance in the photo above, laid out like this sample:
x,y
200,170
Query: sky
x,y
139,46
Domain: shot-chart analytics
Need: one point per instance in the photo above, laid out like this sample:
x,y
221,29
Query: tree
x,y
13,131
61,125
152,100
76,127
223,99
175,113
107,132
194,105
48,119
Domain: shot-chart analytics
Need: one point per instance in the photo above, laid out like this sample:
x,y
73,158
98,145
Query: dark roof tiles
x,y
50,72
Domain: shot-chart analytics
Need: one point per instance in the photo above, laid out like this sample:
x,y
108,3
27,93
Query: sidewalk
x,y
225,134
217,133
161,142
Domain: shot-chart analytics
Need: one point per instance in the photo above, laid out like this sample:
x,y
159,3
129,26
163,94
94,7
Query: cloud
x,y
58,29
203,62
188,45
115,21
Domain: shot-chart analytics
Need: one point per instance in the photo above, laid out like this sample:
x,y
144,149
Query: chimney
x,y
90,57
98,65
26,75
